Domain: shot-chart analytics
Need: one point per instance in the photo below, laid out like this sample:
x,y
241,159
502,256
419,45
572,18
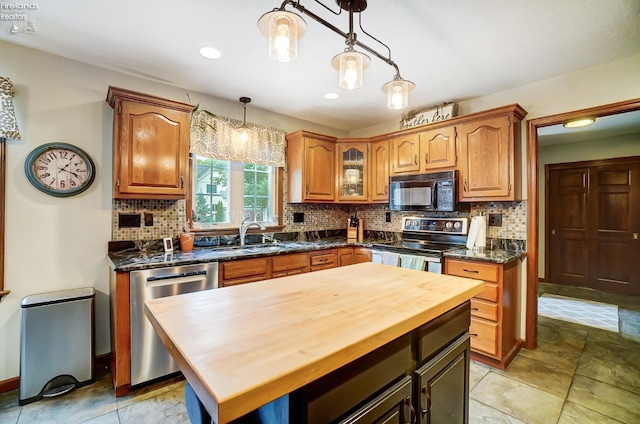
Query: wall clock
x,y
59,169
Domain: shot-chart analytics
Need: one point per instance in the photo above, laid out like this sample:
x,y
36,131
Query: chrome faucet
x,y
244,226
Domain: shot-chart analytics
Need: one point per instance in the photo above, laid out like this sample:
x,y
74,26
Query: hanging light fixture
x,y
243,133
350,63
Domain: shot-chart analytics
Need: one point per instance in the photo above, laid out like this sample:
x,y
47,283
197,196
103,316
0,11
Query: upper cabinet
x,y
484,147
405,152
311,167
489,166
353,168
438,148
379,176
150,146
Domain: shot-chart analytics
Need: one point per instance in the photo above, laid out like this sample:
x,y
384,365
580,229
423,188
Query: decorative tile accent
x,y
169,219
514,218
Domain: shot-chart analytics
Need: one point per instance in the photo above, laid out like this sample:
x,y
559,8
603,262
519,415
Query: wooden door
x,y
567,229
438,148
614,262
379,181
593,225
320,170
353,172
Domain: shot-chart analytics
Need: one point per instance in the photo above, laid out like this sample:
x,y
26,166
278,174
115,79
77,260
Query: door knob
x,y
635,236
553,231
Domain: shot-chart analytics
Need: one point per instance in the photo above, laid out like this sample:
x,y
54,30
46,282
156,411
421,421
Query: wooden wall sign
x,y
416,118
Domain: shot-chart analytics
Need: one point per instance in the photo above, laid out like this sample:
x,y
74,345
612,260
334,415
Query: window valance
x,y
215,137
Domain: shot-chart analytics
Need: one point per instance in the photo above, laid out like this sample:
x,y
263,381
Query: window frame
x,y
232,228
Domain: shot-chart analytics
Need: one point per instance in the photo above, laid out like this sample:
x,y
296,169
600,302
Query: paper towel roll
x,y
477,232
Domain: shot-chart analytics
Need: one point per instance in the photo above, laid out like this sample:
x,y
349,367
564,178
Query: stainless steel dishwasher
x,y
149,358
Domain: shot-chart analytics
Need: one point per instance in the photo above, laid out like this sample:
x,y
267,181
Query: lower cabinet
x,y
244,271
353,255
421,377
443,386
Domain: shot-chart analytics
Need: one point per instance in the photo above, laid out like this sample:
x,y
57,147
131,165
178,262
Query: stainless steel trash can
x,y
56,343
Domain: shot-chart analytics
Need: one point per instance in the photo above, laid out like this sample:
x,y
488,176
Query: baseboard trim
x,y
100,362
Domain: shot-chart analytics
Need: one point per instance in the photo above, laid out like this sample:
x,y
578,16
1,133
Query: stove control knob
x,y
457,225
414,223
449,224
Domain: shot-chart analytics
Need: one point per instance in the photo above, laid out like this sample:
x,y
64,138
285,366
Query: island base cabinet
x,y
394,406
443,386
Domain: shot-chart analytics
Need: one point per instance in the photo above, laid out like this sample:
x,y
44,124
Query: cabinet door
x,y
244,271
151,148
405,151
393,406
438,149
361,254
345,256
353,171
486,159
379,181
443,386
319,170
296,263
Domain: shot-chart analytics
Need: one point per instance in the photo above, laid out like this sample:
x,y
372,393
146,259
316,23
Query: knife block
x,y
355,234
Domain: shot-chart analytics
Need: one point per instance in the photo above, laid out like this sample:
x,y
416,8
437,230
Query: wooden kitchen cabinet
x,y
405,151
323,259
489,148
150,146
296,263
353,255
379,175
361,254
438,148
244,271
352,171
311,167
493,312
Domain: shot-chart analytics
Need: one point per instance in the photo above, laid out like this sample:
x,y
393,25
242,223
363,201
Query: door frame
x,y
531,317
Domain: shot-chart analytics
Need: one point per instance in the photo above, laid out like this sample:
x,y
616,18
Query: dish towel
x,y
413,262
376,257
390,258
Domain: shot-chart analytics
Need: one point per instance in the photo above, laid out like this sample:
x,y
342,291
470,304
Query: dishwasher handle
x,y
171,279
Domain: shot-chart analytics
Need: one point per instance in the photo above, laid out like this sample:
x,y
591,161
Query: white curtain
x,y
215,137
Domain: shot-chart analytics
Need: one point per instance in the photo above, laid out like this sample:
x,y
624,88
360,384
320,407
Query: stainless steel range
x,y
430,237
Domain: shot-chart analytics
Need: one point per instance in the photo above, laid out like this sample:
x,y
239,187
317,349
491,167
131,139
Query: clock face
x,y
60,169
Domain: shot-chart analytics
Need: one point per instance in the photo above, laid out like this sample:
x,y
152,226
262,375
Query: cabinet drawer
x,y
323,260
438,333
289,272
244,268
490,292
484,336
482,309
478,270
290,262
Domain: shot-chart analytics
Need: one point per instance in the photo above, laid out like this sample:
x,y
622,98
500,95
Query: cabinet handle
x,y
307,190
386,190
473,334
415,159
426,158
473,271
464,184
474,309
412,412
181,181
322,260
427,400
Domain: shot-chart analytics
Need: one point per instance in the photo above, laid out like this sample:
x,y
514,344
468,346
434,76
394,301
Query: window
x,y
226,192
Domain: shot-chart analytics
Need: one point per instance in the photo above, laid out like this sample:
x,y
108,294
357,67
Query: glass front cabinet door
x,y
353,172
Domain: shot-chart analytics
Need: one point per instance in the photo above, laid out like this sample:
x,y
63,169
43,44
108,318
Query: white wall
x,y
58,244
614,147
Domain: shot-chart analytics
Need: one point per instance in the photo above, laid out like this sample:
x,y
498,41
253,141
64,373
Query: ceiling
x,y
451,50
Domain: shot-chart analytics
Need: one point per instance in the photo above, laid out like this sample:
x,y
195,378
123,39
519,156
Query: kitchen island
x,y
332,340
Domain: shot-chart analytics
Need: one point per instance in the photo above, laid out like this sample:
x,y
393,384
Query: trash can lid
x,y
57,297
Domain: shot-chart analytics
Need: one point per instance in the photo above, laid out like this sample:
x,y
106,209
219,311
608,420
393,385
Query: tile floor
x,y
576,375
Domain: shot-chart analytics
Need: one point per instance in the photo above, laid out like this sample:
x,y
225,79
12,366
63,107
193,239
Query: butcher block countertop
x,y
243,346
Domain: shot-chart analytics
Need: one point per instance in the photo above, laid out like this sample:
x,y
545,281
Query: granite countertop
x,y
131,261
499,256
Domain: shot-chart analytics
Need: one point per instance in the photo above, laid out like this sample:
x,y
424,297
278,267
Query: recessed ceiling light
x,y
577,123
331,96
211,52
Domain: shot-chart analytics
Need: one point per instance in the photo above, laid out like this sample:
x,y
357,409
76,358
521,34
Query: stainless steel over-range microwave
x,y
431,192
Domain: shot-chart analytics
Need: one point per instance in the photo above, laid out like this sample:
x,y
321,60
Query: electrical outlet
x,y
298,217
495,220
387,216
148,219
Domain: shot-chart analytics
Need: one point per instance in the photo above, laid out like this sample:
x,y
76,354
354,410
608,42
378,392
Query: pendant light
x,y
284,28
243,133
